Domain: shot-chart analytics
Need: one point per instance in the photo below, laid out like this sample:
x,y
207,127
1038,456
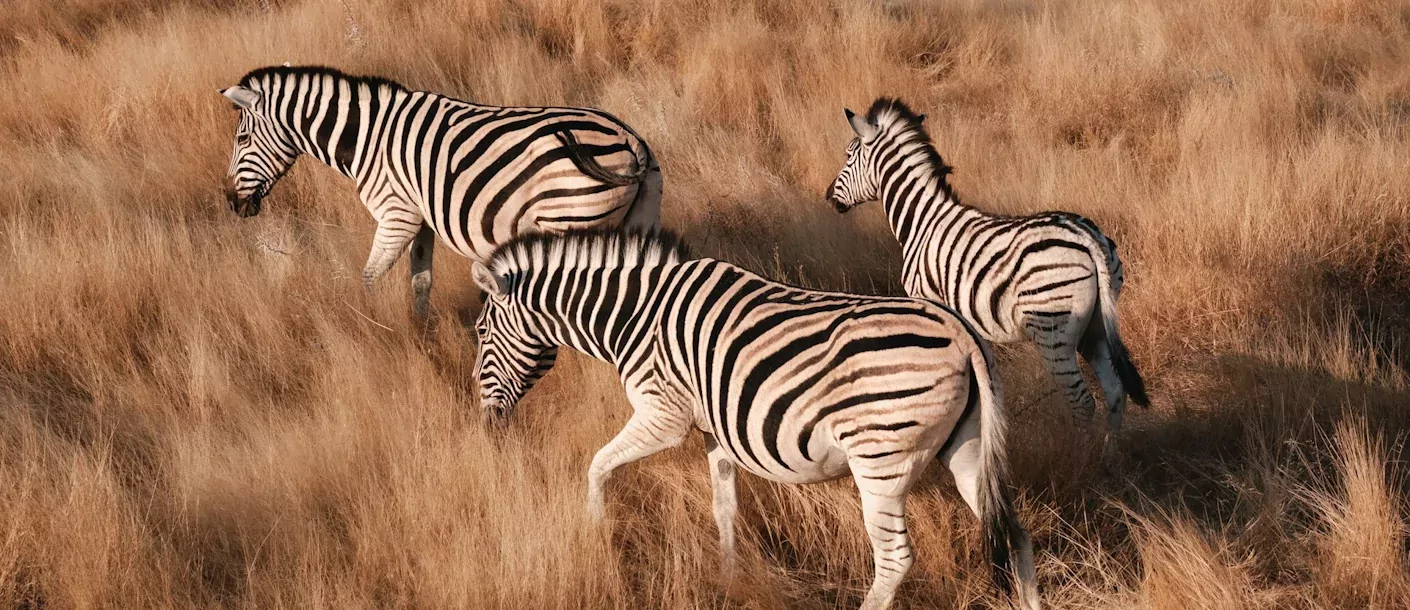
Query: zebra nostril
x,y
828,195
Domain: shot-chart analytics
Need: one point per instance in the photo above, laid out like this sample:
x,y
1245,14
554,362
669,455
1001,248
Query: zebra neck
x,y
602,312
915,201
341,129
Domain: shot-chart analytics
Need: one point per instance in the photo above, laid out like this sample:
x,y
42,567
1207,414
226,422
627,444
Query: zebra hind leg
x,y
1098,354
1056,344
648,431
726,501
884,513
961,455
422,247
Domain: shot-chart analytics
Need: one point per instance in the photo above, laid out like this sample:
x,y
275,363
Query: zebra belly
x,y
830,465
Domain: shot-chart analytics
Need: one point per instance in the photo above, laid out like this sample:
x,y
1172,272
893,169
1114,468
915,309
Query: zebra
x,y
794,385
1042,277
427,164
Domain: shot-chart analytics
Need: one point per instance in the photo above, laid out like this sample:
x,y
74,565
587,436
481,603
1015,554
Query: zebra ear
x,y
862,127
920,118
244,98
490,283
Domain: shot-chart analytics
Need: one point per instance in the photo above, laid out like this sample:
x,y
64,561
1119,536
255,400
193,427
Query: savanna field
x,y
198,410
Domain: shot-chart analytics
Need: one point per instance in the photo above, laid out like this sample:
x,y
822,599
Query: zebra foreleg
x,y
422,247
722,481
648,431
388,243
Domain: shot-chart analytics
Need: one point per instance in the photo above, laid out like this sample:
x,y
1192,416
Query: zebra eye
x,y
243,139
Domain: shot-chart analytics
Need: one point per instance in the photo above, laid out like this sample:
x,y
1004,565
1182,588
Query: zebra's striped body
x,y
426,164
794,385
1043,278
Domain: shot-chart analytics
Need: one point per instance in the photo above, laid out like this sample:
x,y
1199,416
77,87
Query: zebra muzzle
x,y
836,205
496,413
244,206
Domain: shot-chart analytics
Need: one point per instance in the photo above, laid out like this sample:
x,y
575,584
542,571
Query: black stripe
x,y
1052,286
774,419
874,456
885,427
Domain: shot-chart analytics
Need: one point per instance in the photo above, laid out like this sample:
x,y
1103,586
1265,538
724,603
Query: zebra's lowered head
x,y
263,150
889,133
518,337
513,352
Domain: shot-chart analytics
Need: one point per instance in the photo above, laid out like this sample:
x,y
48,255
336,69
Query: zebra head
x,y
263,151
857,182
513,353
860,178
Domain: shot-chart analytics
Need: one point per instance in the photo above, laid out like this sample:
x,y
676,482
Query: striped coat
x,y
1049,278
793,385
429,165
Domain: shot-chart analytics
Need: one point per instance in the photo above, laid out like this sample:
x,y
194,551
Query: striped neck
x,y
600,312
593,290
915,195
334,118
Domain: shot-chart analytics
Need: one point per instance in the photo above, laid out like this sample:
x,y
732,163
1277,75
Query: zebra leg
x,y
722,480
648,431
391,239
884,512
422,247
961,454
1053,336
1098,354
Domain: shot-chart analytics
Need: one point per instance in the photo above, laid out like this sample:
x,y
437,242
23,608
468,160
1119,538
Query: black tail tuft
x,y
587,164
997,541
1130,378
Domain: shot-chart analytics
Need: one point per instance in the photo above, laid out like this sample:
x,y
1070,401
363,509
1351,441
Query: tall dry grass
x,y
199,411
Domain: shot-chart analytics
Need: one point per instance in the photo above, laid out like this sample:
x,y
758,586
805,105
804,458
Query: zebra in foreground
x,y
1043,277
796,386
426,164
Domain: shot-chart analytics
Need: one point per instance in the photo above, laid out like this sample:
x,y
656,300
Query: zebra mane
x,y
589,249
886,111
373,82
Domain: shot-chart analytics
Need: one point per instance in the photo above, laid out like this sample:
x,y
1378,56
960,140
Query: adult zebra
x,y
426,164
1042,277
794,385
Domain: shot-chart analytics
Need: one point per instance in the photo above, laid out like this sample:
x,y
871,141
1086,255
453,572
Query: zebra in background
x,y
1043,277
427,165
796,386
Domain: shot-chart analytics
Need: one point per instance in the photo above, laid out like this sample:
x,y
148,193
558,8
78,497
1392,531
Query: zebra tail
x,y
1003,535
589,166
1131,380
996,512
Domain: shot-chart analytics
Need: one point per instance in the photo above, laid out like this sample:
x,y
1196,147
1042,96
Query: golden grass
x,y
199,411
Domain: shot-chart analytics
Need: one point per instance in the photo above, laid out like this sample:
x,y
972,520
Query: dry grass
x,y
201,411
